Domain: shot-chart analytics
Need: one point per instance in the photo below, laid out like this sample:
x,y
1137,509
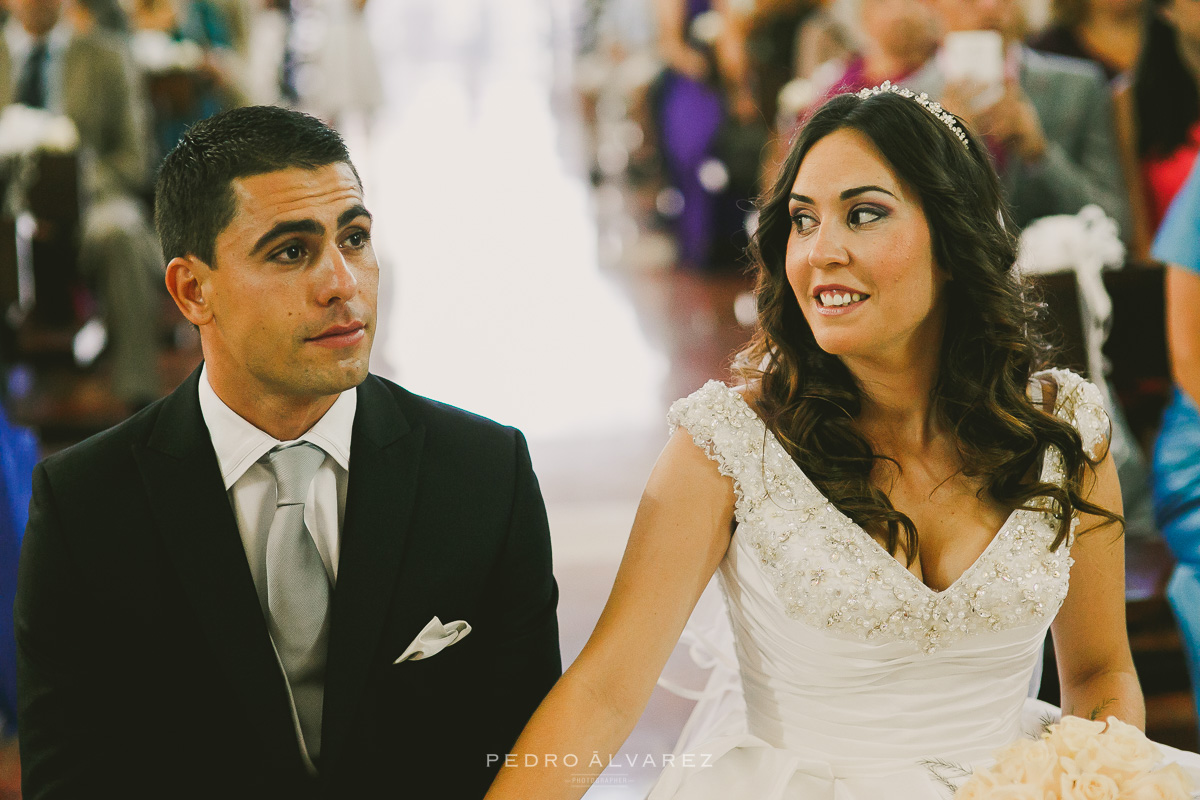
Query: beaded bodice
x,y
828,572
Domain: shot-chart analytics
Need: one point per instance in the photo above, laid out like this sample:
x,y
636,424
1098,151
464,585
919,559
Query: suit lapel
x,y
201,538
385,455
6,71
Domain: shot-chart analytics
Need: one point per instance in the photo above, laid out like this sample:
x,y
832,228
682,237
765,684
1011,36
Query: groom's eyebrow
x,y
351,214
287,227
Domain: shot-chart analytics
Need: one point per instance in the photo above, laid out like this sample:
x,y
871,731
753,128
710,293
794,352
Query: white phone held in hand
x,y
975,57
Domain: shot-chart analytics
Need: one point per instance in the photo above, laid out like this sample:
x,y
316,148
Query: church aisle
x,y
494,297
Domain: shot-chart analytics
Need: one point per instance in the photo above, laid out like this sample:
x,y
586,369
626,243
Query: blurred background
x,y
562,190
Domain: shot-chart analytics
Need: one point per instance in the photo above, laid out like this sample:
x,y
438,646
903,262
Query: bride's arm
x,y
679,536
1091,645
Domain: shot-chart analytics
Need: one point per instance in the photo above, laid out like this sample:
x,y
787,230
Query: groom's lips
x,y
336,336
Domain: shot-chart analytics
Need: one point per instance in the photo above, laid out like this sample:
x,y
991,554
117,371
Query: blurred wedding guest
x,y
824,35
237,15
772,46
84,75
703,96
895,37
1158,114
187,51
99,15
201,21
1108,32
1048,119
1177,452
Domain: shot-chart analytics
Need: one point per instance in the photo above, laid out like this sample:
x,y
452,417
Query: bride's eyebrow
x,y
846,195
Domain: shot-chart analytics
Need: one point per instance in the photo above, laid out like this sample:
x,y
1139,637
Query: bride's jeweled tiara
x,y
932,106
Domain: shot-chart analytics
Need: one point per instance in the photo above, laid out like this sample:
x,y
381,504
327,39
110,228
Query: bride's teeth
x,y
838,299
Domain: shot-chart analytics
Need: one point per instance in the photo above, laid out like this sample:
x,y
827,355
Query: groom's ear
x,y
187,282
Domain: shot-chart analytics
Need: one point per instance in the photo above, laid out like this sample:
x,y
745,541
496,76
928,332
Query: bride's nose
x,y
827,248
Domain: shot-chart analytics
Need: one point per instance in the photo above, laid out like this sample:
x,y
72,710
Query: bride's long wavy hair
x,y
990,351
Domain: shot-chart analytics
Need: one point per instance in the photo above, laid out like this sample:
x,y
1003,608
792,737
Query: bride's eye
x,y
865,214
803,221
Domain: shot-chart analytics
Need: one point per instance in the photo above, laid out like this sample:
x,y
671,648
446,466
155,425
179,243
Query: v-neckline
x,y
868,541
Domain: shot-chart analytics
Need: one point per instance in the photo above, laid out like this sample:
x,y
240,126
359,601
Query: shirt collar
x,y
20,42
239,444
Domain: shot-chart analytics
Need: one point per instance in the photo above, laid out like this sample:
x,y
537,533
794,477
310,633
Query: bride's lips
x,y
837,289
336,336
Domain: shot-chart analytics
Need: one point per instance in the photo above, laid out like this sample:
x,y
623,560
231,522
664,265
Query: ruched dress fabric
x,y
853,680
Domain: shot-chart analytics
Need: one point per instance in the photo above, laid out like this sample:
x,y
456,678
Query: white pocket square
x,y
434,638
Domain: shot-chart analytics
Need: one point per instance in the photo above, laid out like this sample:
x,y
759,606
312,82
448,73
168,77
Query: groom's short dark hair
x,y
194,199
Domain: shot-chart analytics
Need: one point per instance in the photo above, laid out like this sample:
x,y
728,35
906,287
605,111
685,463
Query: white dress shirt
x,y
252,490
251,486
20,43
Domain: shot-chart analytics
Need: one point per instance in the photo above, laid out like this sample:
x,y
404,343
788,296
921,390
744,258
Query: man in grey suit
x,y
49,63
1052,131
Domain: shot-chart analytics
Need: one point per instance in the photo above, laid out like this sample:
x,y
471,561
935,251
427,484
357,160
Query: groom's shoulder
x,y
105,452
447,423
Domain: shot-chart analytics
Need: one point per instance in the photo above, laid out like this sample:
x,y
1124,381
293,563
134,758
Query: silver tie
x,y
298,588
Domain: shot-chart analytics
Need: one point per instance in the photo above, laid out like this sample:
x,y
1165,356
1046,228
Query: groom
x,y
289,578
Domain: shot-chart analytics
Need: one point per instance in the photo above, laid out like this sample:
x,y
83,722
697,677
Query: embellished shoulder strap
x,y
724,426
1081,403
1043,391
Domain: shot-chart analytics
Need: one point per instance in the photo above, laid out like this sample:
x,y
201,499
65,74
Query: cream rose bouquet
x,y
1078,759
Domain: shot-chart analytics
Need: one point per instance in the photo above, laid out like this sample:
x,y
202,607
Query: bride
x,y
893,497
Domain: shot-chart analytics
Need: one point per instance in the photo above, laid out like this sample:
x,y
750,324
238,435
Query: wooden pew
x,y
39,258
54,203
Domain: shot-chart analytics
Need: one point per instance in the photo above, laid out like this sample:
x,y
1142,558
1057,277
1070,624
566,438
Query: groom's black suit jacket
x,y
145,666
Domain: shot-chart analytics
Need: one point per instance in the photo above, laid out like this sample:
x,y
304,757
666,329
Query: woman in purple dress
x,y
704,83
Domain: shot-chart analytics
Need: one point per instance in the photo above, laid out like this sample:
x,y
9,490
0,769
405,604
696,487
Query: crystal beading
x,y
830,573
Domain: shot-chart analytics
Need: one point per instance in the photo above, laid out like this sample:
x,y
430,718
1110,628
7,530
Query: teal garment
x,y
1178,239
207,25
1177,479
1177,451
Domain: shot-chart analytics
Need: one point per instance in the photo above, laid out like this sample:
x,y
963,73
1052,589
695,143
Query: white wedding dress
x,y
854,680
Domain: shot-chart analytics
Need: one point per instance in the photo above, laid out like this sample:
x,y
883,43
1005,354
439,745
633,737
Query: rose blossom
x,y
1032,761
1070,735
1121,752
986,783
980,786
1088,786
1168,783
